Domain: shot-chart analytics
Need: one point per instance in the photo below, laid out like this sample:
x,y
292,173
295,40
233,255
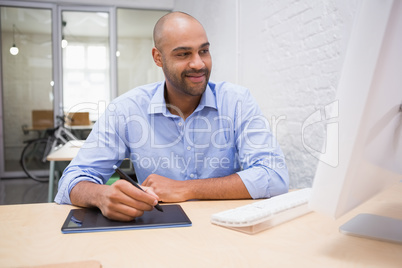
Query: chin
x,y
197,92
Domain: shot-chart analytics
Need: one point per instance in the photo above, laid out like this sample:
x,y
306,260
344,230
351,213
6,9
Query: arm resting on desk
x,y
229,187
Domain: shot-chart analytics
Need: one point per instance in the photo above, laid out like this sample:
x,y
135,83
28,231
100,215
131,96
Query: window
x,y
86,78
86,67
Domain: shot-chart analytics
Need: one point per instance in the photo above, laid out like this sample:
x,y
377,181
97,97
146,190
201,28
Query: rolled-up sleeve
x,y
94,162
264,171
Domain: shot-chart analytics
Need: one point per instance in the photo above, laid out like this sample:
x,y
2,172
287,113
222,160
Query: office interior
x,y
76,58
288,53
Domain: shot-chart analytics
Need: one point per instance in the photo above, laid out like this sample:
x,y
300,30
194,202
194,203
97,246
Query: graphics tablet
x,y
92,220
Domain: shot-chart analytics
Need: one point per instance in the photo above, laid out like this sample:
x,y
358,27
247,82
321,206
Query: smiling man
x,y
182,50
187,137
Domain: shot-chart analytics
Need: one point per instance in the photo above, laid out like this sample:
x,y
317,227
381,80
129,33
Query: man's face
x,y
186,61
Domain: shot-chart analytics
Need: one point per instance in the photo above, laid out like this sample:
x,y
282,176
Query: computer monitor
x,y
363,152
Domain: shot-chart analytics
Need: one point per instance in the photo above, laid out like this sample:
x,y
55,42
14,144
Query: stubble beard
x,y
182,84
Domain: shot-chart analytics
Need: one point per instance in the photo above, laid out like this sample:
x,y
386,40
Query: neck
x,y
181,104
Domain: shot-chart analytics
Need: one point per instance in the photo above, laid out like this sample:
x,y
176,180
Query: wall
x,y
219,21
145,71
143,4
290,54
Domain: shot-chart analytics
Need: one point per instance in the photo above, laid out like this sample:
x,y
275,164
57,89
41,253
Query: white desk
x,y
66,153
30,235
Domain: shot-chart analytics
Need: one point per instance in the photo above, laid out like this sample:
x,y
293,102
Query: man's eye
x,y
184,54
204,51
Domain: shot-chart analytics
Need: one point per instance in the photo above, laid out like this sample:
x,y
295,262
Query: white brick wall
x,y
301,54
289,53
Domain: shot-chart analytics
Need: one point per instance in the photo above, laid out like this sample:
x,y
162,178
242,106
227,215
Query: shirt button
x,y
180,124
191,175
188,148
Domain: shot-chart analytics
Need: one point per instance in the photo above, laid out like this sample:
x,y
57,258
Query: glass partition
x,y
105,51
26,42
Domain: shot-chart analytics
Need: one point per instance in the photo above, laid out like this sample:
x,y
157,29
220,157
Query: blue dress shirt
x,y
226,134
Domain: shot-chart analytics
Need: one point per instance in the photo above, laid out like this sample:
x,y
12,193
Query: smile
x,y
196,78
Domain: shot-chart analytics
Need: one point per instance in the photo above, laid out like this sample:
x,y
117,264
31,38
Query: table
x,y
26,129
66,153
80,131
30,235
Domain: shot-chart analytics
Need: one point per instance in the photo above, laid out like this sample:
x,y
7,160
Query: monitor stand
x,y
374,227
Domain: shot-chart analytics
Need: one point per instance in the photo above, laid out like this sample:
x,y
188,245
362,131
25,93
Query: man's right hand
x,y
120,201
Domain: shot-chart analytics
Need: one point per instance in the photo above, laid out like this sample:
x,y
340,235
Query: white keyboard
x,y
266,213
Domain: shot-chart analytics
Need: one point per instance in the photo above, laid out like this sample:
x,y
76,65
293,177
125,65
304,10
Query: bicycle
x,y
33,156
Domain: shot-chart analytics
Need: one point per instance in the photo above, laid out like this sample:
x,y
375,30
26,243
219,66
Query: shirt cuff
x,y
63,194
263,183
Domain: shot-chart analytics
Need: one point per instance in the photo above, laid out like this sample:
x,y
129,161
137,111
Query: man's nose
x,y
196,62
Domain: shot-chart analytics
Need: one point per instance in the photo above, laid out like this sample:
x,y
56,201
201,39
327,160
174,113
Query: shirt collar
x,y
208,99
158,103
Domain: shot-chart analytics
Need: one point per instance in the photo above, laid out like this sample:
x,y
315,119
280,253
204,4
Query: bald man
x,y
187,137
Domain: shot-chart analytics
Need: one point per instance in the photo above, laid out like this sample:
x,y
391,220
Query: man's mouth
x,y
196,77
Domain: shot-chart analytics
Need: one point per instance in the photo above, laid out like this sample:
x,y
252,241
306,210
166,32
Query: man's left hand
x,y
167,189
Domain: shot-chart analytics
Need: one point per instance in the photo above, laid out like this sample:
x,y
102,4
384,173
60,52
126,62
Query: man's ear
x,y
157,56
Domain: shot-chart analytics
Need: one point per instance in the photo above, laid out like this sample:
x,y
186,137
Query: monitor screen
x,y
366,142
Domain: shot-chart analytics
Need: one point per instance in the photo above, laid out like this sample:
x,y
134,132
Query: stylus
x,y
124,176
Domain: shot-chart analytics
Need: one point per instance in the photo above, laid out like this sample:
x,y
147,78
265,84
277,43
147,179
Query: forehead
x,y
187,33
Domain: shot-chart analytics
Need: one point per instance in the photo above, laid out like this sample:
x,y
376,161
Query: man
x,y
187,138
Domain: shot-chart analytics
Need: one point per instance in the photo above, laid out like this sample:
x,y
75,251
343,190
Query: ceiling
x,y
130,22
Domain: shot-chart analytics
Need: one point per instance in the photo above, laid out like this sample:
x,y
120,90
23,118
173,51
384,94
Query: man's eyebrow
x,y
181,48
205,45
190,48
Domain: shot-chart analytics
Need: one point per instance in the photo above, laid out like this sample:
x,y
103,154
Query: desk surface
x,y
30,235
67,152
